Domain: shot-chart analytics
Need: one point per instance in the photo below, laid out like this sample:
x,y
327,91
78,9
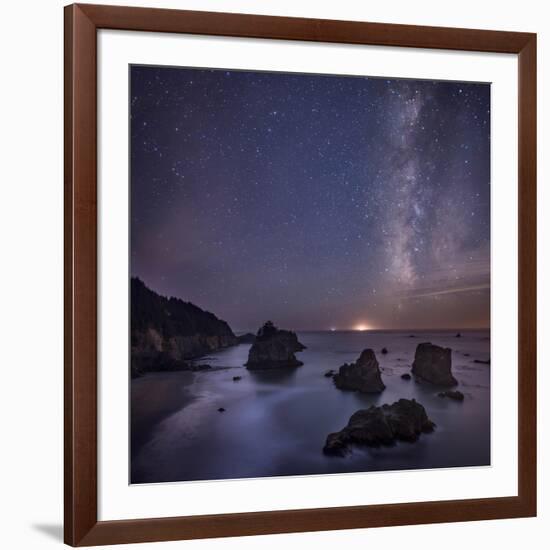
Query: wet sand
x,y
154,397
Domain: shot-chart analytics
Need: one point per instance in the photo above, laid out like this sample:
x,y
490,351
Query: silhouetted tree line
x,y
170,316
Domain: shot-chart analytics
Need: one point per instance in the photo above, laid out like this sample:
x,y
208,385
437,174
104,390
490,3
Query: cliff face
x,y
167,331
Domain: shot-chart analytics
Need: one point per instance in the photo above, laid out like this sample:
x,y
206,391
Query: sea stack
x,y
403,420
433,364
274,348
362,376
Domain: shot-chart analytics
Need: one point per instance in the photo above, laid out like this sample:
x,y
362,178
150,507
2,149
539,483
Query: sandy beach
x,y
154,397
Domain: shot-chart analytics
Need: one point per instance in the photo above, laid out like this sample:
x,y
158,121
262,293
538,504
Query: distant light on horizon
x,y
361,327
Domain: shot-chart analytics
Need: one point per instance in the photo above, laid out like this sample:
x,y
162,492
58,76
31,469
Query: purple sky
x,y
316,201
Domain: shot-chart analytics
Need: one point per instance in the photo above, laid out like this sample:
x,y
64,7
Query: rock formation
x,y
456,395
406,376
274,348
363,375
196,367
247,338
403,420
166,332
433,364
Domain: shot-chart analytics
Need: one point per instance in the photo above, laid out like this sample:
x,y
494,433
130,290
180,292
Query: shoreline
x,y
275,422
154,397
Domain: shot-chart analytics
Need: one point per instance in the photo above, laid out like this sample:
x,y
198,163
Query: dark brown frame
x,y
82,527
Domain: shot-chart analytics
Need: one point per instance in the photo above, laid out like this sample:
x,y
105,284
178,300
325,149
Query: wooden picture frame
x,y
82,527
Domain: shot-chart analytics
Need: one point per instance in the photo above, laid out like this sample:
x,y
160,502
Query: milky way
x,y
316,201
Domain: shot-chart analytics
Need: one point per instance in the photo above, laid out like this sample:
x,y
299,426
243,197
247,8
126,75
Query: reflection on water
x,y
272,376
276,422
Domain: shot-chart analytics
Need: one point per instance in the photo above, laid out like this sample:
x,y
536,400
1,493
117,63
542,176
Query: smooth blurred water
x,y
276,422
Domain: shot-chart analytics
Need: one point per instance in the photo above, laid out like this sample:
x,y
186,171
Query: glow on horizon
x,y
359,327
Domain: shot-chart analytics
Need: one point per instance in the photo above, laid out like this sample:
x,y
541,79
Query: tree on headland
x,y
267,330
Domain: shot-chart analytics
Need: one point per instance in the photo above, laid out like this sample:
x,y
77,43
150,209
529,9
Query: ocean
x,y
276,422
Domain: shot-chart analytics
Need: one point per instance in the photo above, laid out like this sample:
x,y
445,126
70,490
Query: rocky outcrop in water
x,y
403,420
362,376
274,348
166,332
456,395
433,364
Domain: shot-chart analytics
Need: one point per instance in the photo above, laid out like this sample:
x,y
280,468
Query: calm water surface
x,y
276,422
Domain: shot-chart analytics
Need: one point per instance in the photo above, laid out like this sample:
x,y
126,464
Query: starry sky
x,y
317,201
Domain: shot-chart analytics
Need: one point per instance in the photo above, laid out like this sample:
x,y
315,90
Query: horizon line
x,y
429,329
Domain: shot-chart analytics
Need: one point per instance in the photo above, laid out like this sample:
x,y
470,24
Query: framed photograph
x,y
300,274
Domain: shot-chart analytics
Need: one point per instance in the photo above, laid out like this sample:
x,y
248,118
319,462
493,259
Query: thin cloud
x,y
441,292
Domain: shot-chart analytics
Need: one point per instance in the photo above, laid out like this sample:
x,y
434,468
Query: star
x,y
295,190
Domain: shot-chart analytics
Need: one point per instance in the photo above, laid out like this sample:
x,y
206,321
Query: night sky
x,y
319,202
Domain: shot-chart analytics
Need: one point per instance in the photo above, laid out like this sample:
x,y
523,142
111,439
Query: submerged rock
x,y
384,351
221,410
329,373
487,362
363,375
406,376
198,368
236,378
456,395
403,420
433,364
274,348
458,335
